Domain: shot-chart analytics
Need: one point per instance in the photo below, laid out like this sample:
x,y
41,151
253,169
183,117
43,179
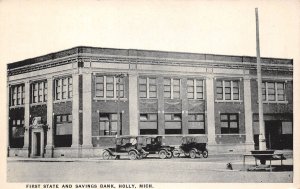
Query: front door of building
x,y
273,135
38,144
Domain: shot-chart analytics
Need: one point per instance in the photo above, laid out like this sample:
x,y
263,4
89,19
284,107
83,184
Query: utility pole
x,y
119,77
262,138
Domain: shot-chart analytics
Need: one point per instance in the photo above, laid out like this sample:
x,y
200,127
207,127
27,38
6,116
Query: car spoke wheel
x,y
169,154
205,154
193,154
162,154
176,153
186,154
132,155
106,155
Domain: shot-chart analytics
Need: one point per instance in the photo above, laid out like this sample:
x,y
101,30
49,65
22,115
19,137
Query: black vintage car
x,y
125,146
154,145
191,148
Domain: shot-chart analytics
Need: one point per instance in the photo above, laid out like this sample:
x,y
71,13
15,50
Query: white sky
x,y
33,28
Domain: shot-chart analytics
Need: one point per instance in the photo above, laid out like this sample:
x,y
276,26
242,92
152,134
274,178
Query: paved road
x,y
181,170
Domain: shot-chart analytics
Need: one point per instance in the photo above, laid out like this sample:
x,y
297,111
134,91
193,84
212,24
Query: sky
x,y
33,28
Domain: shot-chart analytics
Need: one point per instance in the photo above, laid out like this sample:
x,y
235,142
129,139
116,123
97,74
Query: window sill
x,y
38,104
148,98
62,101
199,99
106,136
109,99
18,106
228,101
172,98
227,134
274,102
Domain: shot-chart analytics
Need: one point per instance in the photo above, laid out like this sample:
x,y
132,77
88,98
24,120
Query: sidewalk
x,y
224,157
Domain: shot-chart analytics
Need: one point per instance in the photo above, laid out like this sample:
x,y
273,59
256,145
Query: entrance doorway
x,y
273,135
38,144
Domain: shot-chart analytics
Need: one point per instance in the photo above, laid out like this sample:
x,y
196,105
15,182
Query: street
x,y
152,170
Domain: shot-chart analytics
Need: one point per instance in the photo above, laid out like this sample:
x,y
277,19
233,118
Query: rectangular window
x,y
108,123
120,84
273,91
148,124
63,88
228,89
196,124
39,92
173,124
147,87
108,87
99,80
167,88
63,130
195,89
17,133
152,87
229,123
176,88
70,87
143,87
17,95
171,88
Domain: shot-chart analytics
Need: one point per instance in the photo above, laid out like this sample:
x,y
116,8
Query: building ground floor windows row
x,y
279,133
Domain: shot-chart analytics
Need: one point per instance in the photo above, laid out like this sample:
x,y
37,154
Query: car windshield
x,y
133,141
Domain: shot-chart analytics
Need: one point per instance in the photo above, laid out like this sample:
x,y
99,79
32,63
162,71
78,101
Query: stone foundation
x,y
77,152
18,152
96,152
230,148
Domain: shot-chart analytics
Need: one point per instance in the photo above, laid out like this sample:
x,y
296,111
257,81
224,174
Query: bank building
x,y
66,104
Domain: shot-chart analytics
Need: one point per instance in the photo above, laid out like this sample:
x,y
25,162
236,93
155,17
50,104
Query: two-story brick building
x,y
66,103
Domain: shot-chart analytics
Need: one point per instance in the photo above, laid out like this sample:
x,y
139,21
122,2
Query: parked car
x,y
125,146
191,148
154,145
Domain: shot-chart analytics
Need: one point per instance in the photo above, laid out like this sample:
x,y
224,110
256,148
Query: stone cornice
x,y
42,65
140,60
183,62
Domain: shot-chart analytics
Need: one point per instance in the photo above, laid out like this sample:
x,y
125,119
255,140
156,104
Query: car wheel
x,y
162,154
169,154
193,154
186,154
132,155
106,155
205,154
176,153
140,156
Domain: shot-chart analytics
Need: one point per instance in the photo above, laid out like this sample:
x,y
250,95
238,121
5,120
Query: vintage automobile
x,y
191,148
154,145
125,146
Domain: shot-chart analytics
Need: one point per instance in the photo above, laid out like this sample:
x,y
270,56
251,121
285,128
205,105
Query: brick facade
x,y
87,120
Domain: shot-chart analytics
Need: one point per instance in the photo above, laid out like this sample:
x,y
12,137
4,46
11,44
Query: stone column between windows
x,y
26,114
87,109
75,110
133,104
185,106
49,146
160,106
210,99
248,111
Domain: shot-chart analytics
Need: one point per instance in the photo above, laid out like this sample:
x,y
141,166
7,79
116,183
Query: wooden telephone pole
x,y
262,138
